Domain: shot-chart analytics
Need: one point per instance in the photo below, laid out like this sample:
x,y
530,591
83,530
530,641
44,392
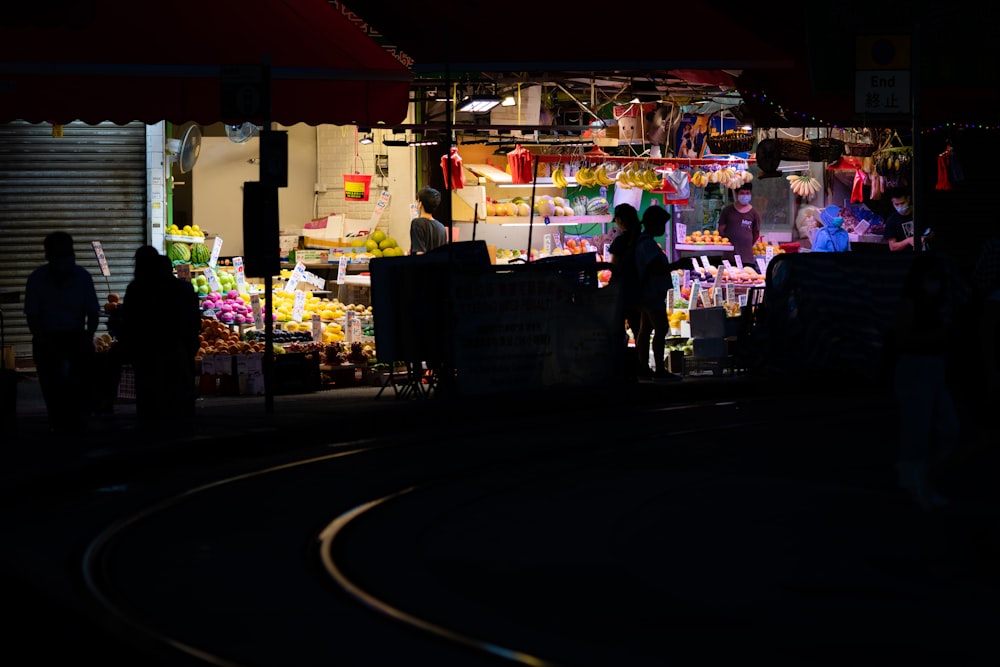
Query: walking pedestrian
x,y
62,311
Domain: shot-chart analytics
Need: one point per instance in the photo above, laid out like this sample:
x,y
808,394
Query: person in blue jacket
x,y
831,237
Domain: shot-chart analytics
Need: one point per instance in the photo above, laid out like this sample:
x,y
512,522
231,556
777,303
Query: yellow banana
x,y
625,178
559,178
602,175
654,180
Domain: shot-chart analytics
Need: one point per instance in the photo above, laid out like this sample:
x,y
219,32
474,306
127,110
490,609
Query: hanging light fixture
x,y
479,103
508,101
366,139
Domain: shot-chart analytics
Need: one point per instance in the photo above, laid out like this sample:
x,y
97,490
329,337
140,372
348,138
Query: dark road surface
x,y
705,524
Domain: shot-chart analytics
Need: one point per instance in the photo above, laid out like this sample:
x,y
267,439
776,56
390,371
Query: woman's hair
x,y
628,217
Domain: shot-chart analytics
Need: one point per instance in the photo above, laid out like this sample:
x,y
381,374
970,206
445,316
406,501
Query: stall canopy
x,y
188,61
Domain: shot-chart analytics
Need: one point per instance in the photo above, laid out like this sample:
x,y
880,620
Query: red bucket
x,y
357,187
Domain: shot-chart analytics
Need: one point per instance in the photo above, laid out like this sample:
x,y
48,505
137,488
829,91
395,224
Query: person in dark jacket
x,y
62,310
160,331
625,276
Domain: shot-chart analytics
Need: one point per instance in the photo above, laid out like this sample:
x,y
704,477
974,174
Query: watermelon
x,y
598,206
199,253
179,252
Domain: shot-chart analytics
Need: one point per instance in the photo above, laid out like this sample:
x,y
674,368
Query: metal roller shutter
x,y
91,182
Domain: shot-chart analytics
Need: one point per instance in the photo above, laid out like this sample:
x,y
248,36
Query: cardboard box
x,y
309,256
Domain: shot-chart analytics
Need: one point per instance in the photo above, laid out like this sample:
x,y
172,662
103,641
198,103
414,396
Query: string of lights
x,y
814,121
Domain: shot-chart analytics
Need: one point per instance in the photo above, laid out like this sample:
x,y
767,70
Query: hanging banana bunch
x,y
626,177
585,177
601,175
804,185
559,177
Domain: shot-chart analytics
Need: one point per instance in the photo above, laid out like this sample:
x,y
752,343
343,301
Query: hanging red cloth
x,y
520,162
857,190
452,164
943,182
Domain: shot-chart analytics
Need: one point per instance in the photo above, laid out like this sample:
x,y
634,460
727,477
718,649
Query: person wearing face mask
x,y
831,237
740,223
899,234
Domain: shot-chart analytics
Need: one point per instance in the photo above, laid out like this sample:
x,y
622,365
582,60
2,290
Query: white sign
x,y
101,259
882,91
216,249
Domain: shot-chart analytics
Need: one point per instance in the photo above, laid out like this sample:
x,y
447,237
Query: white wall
x,y
339,153
222,168
318,158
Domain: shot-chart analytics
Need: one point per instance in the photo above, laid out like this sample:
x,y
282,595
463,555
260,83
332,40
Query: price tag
x,y
739,261
670,301
241,275
258,317
762,265
729,267
731,293
213,280
313,279
216,249
341,270
352,318
717,296
675,280
380,205
607,252
743,300
299,306
697,266
695,293
681,230
101,259
705,263
298,273
317,327
547,243
769,253
414,210
706,298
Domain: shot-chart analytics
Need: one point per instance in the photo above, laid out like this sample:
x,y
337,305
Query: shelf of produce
x,y
557,220
184,239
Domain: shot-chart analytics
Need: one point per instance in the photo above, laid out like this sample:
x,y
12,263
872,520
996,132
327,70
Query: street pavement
x,y
701,522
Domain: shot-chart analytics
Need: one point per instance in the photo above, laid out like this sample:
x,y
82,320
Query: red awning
x,y
139,61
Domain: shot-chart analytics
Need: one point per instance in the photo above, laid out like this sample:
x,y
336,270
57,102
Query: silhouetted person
x,y
626,276
160,332
929,426
62,310
653,269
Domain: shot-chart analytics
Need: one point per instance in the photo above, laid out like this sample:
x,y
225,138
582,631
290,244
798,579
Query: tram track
x,y
211,536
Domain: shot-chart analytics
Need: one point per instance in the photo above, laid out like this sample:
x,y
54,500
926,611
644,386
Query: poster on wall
x,y
694,129
691,134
